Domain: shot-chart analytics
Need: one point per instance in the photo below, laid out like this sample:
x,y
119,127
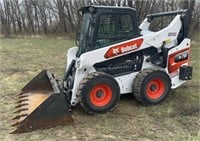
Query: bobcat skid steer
x,y
115,56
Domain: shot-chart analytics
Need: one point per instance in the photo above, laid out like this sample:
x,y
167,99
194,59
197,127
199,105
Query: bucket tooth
x,y
21,105
22,100
22,96
15,124
22,93
19,116
21,110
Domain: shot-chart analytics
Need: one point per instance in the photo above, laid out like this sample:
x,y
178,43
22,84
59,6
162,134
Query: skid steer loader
x,y
114,56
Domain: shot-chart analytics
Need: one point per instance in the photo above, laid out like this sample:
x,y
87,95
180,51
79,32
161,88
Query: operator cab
x,y
103,26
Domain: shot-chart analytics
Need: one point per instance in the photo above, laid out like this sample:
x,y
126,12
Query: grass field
x,y
178,118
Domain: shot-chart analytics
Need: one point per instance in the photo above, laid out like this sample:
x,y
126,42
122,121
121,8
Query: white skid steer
x,y
114,56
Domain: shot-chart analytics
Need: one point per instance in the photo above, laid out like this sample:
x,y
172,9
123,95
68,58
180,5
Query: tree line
x,y
61,16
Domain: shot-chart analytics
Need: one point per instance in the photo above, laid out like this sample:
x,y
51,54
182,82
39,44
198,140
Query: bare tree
x,y
18,15
5,17
61,16
28,8
62,22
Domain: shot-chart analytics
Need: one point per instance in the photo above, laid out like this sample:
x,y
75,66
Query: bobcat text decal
x,y
123,48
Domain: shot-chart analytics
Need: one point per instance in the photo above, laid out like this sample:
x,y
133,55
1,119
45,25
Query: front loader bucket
x,y
41,104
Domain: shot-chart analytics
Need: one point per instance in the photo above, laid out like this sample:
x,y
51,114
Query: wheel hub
x,y
99,93
153,87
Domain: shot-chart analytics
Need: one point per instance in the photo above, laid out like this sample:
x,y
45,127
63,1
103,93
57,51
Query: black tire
x,y
99,93
151,87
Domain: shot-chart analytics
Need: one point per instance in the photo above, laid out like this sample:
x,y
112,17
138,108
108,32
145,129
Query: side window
x,y
114,28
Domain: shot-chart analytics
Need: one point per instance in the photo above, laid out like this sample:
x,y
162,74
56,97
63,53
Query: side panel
x,y
177,59
126,82
178,56
71,55
121,65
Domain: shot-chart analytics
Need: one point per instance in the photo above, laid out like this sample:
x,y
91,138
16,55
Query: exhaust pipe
x,y
41,104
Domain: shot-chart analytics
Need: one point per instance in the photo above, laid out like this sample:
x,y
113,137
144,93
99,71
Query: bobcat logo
x,y
124,47
116,51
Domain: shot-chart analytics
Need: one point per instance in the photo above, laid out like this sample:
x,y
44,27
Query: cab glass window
x,y
114,28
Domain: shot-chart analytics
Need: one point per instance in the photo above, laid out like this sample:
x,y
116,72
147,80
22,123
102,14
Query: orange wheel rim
x,y
155,88
100,95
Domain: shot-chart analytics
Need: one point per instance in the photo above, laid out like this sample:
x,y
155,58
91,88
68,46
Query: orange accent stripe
x,y
123,48
174,66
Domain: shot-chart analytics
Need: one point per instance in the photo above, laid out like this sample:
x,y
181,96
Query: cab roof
x,y
94,8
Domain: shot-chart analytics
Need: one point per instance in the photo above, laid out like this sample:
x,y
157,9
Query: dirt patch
x,y
191,86
191,111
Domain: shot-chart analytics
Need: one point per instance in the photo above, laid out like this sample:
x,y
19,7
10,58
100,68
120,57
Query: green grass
x,y
178,118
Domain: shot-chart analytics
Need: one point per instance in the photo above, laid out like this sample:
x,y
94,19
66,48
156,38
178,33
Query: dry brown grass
x,y
178,118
